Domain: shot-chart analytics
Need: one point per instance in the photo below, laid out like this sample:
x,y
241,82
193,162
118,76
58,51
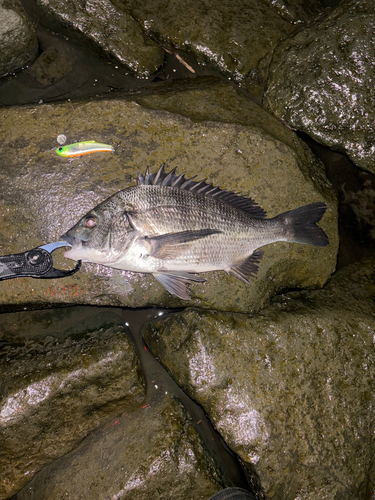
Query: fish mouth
x,y
71,240
74,243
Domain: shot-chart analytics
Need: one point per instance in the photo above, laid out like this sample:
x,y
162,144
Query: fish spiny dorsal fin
x,y
152,179
169,176
147,175
140,178
188,184
159,176
163,178
198,185
178,180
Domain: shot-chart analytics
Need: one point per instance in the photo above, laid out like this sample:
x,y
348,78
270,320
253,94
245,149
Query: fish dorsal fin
x,y
163,178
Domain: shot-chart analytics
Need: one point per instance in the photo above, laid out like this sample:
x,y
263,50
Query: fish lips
x,y
71,240
75,244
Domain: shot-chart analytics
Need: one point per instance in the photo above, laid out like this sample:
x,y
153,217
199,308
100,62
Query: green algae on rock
x,y
290,389
322,81
43,195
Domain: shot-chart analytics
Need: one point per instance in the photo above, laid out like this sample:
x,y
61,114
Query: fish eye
x,y
91,222
61,148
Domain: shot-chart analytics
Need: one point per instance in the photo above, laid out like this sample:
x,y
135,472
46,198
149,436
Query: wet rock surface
x,y
76,414
218,33
299,11
58,382
150,453
64,69
322,81
18,43
289,389
111,29
39,186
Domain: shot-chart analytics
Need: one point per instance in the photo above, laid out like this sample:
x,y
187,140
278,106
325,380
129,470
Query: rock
x,y
44,195
357,201
322,81
63,374
169,463
355,192
51,66
109,27
222,103
237,38
298,11
18,43
68,68
290,389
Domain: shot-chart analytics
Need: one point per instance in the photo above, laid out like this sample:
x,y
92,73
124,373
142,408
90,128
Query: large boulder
x,y
63,374
110,28
44,195
18,42
237,39
153,452
289,389
322,81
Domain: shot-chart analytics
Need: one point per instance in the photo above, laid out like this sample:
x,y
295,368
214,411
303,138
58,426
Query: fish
x,y
176,228
83,148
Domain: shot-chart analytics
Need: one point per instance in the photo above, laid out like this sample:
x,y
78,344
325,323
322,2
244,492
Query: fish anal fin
x,y
176,282
247,268
171,244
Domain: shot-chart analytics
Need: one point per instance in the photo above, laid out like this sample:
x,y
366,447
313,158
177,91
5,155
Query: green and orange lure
x,y
83,148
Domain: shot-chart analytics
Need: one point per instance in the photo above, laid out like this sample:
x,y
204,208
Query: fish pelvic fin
x,y
301,224
176,282
163,178
247,268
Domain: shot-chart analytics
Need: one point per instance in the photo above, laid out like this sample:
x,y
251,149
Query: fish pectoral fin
x,y
247,268
176,282
132,218
171,244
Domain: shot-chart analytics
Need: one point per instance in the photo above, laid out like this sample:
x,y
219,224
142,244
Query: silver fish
x,y
172,226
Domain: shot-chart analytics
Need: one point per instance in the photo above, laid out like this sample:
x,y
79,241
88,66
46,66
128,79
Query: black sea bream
x,y
171,227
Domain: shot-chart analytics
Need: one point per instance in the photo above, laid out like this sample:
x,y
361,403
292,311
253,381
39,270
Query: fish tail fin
x,y
301,224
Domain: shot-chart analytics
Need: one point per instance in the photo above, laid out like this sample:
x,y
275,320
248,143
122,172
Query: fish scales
x,y
161,210
175,227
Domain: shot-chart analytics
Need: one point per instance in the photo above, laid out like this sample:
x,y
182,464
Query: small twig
x,y
179,58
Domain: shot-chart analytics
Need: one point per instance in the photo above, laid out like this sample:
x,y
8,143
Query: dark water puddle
x,y
158,381
61,72
64,70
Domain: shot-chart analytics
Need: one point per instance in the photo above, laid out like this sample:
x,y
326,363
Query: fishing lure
x,y
83,148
